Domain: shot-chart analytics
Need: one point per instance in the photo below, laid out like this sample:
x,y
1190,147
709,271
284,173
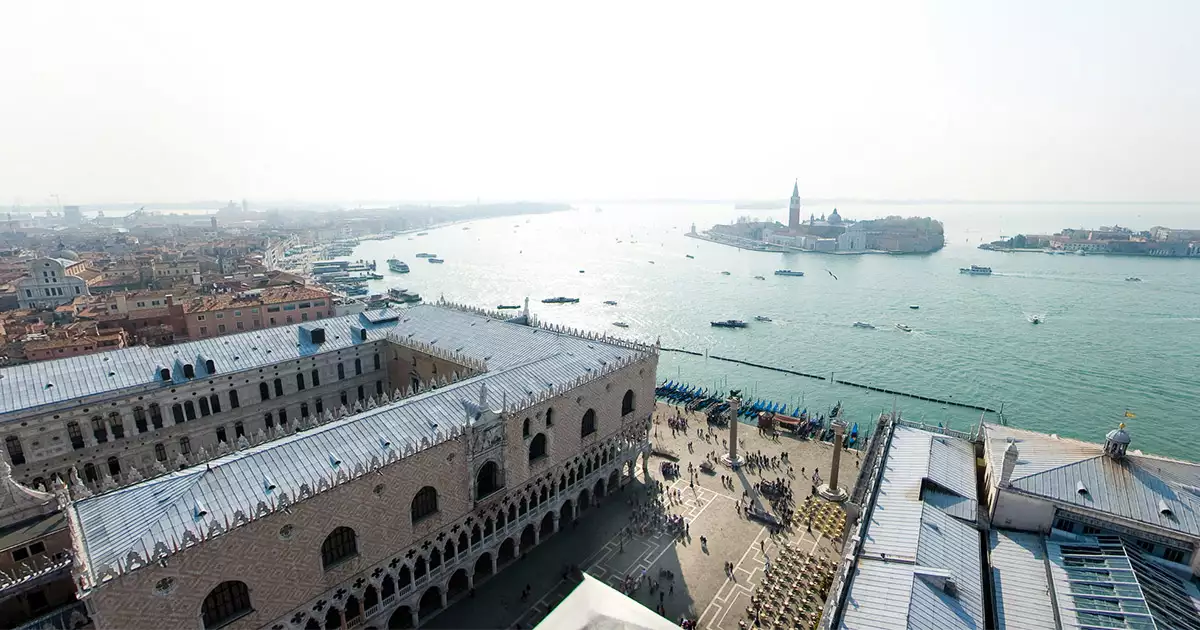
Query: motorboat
x,y
976,270
759,278
436,261
729,323
620,324
914,306
761,318
426,255
863,325
690,256
560,300
651,262
904,327
507,307
422,233
1035,319
610,302
397,265
724,273
1133,279
789,272
580,271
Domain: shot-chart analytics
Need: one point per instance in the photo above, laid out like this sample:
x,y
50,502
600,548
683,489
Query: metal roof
x,y
1135,487
1095,585
156,517
913,546
1020,590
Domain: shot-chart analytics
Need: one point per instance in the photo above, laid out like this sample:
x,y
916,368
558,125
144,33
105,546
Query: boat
x,y
1035,319
761,318
426,255
422,233
788,272
976,270
729,323
1133,279
560,300
610,302
507,307
724,273
863,325
403,296
580,271
759,278
651,262
397,265
620,324
690,256
904,327
436,261
914,306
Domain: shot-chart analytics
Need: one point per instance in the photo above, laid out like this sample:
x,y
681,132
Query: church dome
x,y
68,254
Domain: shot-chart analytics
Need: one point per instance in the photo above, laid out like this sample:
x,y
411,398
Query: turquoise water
x,y
1105,345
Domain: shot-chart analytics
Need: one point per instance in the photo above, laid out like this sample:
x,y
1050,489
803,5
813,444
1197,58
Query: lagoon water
x,y
1106,345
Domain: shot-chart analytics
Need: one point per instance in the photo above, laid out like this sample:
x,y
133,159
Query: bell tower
x,y
794,207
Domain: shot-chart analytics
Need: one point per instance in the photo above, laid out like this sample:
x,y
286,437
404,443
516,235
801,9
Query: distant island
x,y
1157,241
832,235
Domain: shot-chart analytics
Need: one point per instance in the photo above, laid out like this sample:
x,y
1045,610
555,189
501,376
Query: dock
x,y
831,379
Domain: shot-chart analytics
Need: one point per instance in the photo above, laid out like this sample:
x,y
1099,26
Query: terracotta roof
x,y
269,295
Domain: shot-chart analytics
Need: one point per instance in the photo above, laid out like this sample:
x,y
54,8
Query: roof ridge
x,y
1059,467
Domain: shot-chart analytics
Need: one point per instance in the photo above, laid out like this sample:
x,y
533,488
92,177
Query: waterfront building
x,y
223,313
1073,534
364,469
51,282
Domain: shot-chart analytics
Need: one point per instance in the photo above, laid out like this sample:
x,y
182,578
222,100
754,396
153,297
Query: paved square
x,y
700,588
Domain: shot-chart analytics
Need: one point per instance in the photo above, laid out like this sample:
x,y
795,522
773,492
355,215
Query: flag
x,y
1130,414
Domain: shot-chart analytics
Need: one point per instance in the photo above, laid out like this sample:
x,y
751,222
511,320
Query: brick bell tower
x,y
794,207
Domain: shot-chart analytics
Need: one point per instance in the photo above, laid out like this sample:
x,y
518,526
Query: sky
x,y
115,101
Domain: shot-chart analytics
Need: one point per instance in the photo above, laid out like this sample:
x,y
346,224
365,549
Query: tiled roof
x,y
268,295
1135,487
522,361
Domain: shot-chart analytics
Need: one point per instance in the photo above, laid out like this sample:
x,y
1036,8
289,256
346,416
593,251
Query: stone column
x,y
734,404
831,491
442,592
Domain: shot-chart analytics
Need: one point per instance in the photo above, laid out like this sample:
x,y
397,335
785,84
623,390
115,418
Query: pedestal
x,y
830,493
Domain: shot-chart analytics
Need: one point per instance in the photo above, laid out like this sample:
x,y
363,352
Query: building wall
x,y
48,285
284,573
1014,511
251,316
48,449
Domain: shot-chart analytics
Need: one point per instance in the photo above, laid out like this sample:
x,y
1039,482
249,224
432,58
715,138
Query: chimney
x,y
1010,462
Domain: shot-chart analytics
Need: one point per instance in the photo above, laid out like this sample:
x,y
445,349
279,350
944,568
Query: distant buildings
x,y
1158,241
213,315
51,282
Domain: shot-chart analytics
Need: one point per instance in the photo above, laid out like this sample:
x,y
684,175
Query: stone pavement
x,y
700,587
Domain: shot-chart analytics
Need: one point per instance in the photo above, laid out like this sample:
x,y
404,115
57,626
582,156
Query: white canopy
x,y
594,605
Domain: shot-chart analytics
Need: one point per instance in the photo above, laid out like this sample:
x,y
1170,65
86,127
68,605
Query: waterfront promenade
x,y
701,588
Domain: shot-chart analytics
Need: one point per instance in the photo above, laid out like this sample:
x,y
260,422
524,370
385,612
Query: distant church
x,y
794,208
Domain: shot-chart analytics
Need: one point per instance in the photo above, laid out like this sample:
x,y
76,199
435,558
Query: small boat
x,y
422,233
1035,320
580,271
507,307
914,306
863,325
1133,279
620,324
976,270
397,265
759,278
724,273
761,318
436,261
690,256
651,262
788,272
560,300
904,327
729,323
610,302
426,255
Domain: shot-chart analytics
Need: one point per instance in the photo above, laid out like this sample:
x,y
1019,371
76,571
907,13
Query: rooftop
x,y
1135,487
124,528
268,295
919,565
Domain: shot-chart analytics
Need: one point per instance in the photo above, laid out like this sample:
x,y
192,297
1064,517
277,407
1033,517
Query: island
x,y
1157,241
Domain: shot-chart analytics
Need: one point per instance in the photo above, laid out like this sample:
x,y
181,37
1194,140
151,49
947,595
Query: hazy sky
x,y
1086,100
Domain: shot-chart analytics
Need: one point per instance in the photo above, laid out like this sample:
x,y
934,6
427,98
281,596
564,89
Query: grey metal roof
x,y
1020,590
1132,487
523,361
947,544
1095,585
912,544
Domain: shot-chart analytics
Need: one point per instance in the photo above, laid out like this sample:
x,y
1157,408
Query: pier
x,y
831,379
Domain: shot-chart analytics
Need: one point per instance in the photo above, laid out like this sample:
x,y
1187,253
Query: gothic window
x,y
204,408
537,447
488,480
316,378
339,545
357,366
588,426
118,428
299,381
341,371
139,419
114,466
225,603
75,434
99,431
264,391
160,452
15,452
627,403
215,403
234,403
278,387
156,418
525,428
424,503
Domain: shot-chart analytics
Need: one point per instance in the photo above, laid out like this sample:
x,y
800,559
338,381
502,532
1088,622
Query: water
x,y
1106,345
